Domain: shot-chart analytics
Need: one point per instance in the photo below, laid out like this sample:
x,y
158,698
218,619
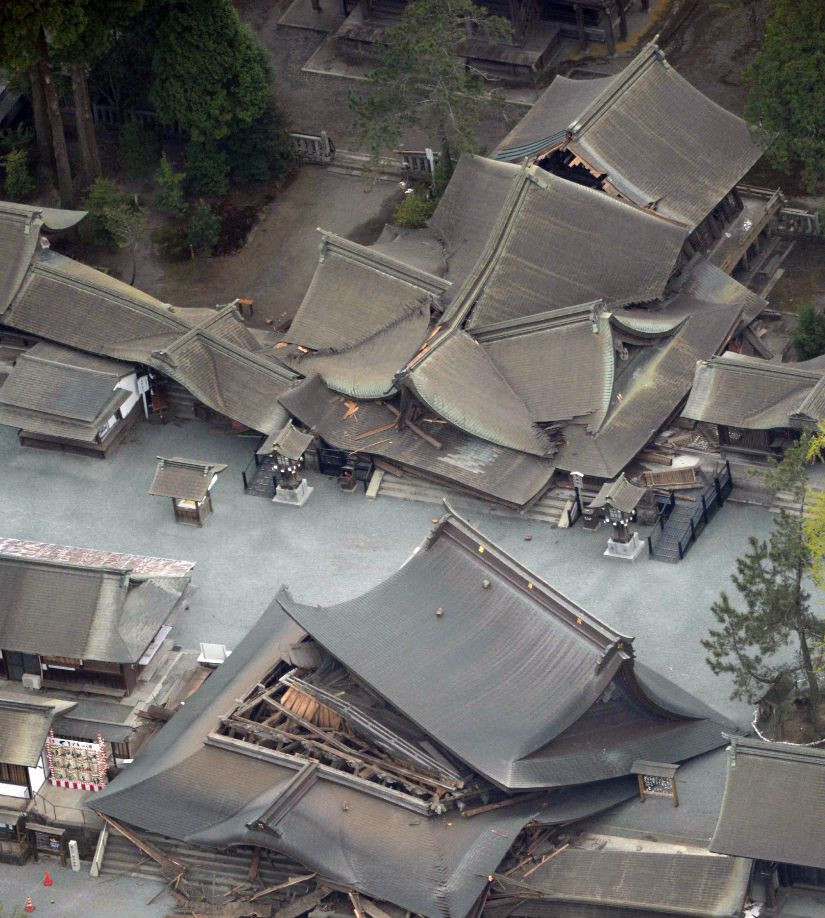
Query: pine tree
x,y
752,642
423,81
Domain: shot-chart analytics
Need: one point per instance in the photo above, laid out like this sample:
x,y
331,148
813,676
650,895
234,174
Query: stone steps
x,y
551,508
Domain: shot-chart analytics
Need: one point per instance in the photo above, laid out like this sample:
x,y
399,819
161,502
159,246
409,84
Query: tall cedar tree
x,y
787,87
752,643
24,48
77,50
423,82
211,77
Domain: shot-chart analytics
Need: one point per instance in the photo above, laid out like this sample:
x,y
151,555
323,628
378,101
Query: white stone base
x,y
627,551
295,497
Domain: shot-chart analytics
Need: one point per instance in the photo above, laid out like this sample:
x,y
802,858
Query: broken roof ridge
x,y
366,255
590,626
650,55
747,364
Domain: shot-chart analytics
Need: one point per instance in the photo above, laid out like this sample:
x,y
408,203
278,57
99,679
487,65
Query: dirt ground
x,y
276,264
315,102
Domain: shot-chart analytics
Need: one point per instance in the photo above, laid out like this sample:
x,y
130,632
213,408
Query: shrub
x,y
18,184
259,152
138,149
414,211
102,199
18,137
170,188
204,228
207,168
809,334
171,238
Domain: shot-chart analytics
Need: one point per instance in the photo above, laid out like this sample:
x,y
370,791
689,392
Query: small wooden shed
x,y
188,482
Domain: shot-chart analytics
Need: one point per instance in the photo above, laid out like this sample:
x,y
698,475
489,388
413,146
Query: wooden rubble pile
x,y
295,716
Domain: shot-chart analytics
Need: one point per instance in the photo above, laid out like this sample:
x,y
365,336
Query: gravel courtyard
x,y
335,547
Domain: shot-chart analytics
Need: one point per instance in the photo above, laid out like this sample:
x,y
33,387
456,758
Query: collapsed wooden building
x,y
548,319
424,744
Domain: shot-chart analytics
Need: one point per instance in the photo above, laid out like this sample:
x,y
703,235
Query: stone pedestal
x,y
627,551
295,497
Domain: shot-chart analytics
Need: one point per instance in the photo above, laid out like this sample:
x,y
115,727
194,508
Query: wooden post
x,y
645,5
622,20
580,27
608,26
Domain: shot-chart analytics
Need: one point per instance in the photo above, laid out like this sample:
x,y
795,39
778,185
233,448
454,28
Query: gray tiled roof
x,y
545,125
60,381
562,244
681,164
621,494
24,726
774,803
428,638
559,363
660,142
356,293
84,612
70,303
468,211
704,281
459,381
499,473
20,226
582,883
753,393
189,785
239,383
368,369
187,479
647,394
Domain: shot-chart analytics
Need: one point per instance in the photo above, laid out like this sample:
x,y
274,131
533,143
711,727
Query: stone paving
x,y
334,548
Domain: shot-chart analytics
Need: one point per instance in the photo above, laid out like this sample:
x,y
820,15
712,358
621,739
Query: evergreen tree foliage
x,y
210,76
787,87
169,198
775,630
18,184
207,169
102,200
414,210
809,334
422,80
204,228
138,149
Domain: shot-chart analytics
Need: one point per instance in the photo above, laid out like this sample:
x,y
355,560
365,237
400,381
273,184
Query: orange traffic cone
x,y
47,880
29,904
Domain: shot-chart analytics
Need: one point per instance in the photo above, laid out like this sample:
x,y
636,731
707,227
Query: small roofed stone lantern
x,y
288,448
616,504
